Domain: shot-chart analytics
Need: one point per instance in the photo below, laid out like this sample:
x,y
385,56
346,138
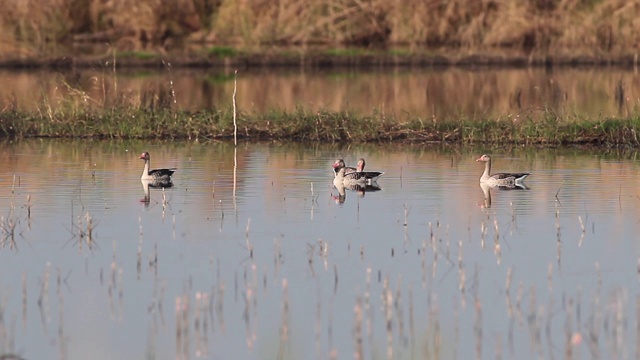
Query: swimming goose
x,y
340,164
157,176
369,176
348,179
500,179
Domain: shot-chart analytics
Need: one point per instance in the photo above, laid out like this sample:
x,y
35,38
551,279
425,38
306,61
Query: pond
x,y
253,253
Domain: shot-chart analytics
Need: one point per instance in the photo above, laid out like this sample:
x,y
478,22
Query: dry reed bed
x,y
564,27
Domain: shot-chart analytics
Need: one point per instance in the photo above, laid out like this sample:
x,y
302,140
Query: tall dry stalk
x,y
235,121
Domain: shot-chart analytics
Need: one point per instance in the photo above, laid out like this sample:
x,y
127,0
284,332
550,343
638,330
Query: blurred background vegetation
x,y
41,28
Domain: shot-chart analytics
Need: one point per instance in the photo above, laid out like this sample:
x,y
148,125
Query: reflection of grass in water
x,y
141,55
222,51
345,52
219,78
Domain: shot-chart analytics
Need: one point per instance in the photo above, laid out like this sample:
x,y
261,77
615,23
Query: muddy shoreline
x,y
319,61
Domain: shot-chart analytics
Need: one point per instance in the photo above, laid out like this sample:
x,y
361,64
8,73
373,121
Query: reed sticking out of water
x,y
550,276
235,173
24,300
139,253
335,279
115,284
83,230
29,207
558,192
235,121
462,280
323,252
369,310
496,241
477,323
558,240
583,231
250,305
165,203
637,354
510,310
246,237
13,184
284,324
357,329
483,233
8,227
220,301
387,301
182,326
277,258
318,327
399,309
43,298
62,351
201,325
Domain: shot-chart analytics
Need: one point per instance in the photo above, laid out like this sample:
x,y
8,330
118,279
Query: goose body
x,y
508,180
156,177
373,175
355,176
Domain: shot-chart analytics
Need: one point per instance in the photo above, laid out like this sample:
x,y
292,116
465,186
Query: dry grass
x,y
36,27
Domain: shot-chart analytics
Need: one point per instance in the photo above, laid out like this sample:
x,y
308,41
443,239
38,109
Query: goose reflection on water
x,y
148,184
359,189
486,190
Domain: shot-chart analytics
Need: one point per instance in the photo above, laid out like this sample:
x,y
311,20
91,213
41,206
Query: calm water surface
x,y
266,260
428,93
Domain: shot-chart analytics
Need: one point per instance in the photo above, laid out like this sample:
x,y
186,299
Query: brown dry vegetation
x,y
40,28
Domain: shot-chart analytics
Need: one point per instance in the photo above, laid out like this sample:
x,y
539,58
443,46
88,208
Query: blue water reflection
x,y
253,253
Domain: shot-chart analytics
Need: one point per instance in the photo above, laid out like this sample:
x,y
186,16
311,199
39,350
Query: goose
x,y
373,175
369,176
360,166
508,180
339,164
155,177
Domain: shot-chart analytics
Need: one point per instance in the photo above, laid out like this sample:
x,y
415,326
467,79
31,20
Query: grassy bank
x,y
301,125
223,29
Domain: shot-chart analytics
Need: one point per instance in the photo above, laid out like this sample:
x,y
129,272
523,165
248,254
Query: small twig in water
x,y
246,234
558,192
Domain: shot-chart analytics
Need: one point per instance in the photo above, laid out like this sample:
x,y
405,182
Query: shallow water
x,y
268,261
